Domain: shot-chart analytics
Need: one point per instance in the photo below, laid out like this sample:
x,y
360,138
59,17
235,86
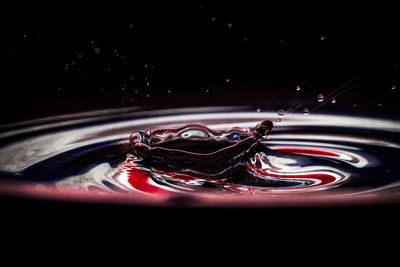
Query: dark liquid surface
x,y
316,154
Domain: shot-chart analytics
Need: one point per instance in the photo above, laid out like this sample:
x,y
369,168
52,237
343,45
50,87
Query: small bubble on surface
x,y
281,112
306,111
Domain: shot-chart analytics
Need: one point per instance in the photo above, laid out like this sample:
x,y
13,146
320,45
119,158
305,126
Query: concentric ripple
x,y
315,155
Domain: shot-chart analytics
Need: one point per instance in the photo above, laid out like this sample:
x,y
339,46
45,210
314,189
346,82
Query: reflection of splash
x,y
308,178
137,178
280,175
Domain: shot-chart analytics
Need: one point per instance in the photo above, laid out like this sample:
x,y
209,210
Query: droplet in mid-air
x,y
229,25
298,87
333,101
320,97
306,111
281,112
393,87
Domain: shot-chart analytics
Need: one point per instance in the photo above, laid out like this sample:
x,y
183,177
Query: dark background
x,y
68,57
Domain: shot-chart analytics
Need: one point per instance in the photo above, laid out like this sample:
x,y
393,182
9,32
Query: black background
x,y
49,66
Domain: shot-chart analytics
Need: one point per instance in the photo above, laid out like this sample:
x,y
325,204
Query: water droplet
x,y
278,120
379,104
333,101
322,38
145,65
147,95
169,91
25,36
281,112
320,97
298,87
96,50
229,25
393,87
207,90
227,80
306,111
148,84
258,110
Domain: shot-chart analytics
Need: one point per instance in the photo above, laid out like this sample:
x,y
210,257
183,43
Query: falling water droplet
x,y
227,80
320,97
306,111
393,87
333,101
298,87
229,25
281,112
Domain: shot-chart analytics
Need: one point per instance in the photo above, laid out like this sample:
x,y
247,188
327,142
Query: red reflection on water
x,y
307,151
